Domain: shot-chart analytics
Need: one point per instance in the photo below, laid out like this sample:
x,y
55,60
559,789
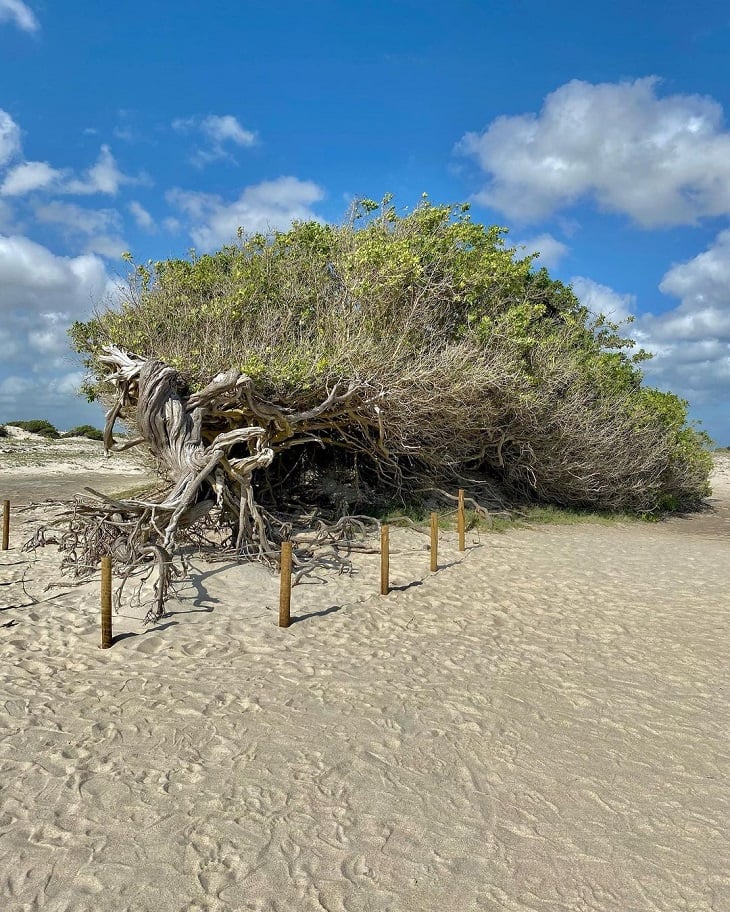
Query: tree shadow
x,y
313,614
196,581
406,587
158,628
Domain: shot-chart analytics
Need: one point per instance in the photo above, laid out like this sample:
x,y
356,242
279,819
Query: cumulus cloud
x,y
29,176
261,207
551,251
659,160
40,295
19,14
51,397
703,286
220,131
7,218
98,228
9,138
34,280
141,216
226,128
691,341
102,177
600,299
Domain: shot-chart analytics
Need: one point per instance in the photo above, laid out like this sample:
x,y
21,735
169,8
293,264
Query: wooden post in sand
x,y
461,521
6,525
434,542
285,585
384,560
106,602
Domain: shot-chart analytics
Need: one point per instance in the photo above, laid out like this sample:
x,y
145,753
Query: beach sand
x,y
541,725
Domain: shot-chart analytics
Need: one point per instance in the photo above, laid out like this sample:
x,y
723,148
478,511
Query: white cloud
x,y
79,219
141,216
600,299
34,280
551,250
49,335
69,384
184,124
12,388
40,295
225,128
261,207
690,342
53,397
19,13
659,160
99,228
9,138
103,177
703,285
7,217
29,176
220,130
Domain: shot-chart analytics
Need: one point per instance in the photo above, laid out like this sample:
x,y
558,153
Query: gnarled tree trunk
x,y
208,445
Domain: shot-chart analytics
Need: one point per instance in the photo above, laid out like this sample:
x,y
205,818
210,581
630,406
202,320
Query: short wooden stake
x,y
384,560
434,542
6,525
106,602
285,585
461,521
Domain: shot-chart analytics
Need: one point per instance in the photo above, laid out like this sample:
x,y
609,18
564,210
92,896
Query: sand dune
x,y
542,725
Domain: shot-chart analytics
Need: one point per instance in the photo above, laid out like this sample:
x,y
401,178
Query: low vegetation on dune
x,y
38,426
85,430
44,428
357,367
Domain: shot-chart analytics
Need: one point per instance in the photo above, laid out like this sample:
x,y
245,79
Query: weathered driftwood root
x,y
208,445
221,497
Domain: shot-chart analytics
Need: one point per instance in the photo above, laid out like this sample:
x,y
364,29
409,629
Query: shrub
x,y
368,365
38,426
467,362
85,430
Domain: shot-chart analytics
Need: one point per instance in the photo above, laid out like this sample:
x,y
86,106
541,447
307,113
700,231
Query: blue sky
x,y
596,132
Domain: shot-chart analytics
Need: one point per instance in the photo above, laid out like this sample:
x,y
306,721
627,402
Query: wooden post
x,y
434,542
6,525
106,602
285,585
384,560
461,521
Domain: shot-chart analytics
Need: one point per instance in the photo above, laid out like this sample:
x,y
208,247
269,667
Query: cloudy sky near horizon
x,y
596,132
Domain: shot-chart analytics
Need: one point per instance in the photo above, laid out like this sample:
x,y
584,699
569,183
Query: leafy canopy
x,y
454,326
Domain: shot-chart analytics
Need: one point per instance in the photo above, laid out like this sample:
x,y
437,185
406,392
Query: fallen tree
x,y
345,368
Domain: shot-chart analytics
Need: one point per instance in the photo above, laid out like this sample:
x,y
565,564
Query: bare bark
x,y
208,445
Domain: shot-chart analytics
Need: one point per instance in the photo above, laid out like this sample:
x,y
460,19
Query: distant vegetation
x,y
45,429
38,426
85,430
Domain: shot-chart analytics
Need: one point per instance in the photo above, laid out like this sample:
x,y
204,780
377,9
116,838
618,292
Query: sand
x,y
33,468
541,725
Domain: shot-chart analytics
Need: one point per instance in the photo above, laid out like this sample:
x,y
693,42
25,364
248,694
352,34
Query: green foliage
x,y
85,430
38,426
484,363
3,432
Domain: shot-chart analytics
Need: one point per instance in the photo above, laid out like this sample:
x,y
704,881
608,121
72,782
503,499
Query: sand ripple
x,y
540,726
